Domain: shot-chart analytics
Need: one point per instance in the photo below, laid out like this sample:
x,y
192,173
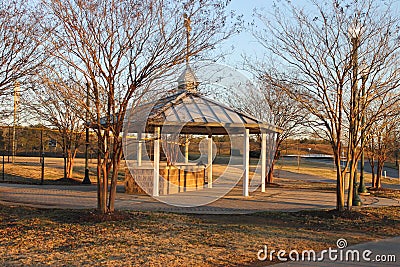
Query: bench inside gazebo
x,y
167,122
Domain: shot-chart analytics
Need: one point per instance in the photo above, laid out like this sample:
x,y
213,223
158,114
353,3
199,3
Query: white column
x,y
186,149
246,161
263,160
139,149
209,154
156,161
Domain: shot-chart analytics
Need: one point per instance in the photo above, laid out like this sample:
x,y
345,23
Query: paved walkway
x,y
275,198
83,197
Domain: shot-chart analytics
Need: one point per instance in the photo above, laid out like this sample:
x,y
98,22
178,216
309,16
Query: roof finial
x,y
188,29
188,81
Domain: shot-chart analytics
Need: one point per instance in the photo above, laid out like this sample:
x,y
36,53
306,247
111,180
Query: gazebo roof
x,y
193,113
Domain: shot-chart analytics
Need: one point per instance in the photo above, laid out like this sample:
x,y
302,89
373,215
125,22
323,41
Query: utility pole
x,y
16,104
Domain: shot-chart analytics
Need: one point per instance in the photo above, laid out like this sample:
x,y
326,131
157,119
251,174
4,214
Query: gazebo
x,y
185,111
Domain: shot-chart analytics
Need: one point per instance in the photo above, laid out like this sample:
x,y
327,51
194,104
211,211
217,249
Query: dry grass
x,y
326,170
387,193
295,148
28,170
31,237
302,185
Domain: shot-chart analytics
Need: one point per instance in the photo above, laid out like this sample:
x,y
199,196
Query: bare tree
x,y
21,41
321,60
381,143
117,47
221,142
271,104
52,101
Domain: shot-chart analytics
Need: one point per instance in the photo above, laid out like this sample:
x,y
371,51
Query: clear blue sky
x,y
244,43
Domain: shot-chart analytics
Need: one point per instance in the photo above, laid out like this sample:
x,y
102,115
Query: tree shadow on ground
x,y
16,179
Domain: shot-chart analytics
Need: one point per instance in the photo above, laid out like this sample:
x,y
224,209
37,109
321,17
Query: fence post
x,y
9,144
41,143
3,166
42,177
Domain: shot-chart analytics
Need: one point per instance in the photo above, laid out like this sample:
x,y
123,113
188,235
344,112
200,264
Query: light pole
x,y
364,74
354,32
86,180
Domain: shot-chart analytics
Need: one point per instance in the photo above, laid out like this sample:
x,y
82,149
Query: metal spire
x,y
188,80
186,20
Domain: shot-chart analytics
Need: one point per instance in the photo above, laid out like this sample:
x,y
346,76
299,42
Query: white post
x,y
186,149
263,160
156,161
246,161
209,161
139,150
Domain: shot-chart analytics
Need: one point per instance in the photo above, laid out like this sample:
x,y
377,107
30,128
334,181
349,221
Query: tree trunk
x,y
379,170
65,164
353,174
339,182
117,152
69,165
372,163
102,175
98,176
270,175
64,149
104,186
70,162
103,171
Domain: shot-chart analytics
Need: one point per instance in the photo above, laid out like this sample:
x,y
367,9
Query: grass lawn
x,y
32,237
28,170
324,169
307,167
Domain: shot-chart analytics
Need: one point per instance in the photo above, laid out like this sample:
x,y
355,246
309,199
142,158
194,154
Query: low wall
x,y
171,180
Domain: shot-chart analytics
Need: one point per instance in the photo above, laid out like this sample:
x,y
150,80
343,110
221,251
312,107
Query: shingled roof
x,y
194,113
